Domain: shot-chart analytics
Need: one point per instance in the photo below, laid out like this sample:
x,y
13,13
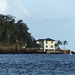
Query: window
x,y
51,46
46,42
51,41
46,46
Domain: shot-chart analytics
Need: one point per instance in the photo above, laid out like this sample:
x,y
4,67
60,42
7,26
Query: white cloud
x,y
18,9
15,8
3,6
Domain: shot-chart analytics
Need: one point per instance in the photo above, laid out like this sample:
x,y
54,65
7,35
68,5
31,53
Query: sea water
x,y
37,64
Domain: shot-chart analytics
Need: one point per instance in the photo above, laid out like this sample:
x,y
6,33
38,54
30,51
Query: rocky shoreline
x,y
32,51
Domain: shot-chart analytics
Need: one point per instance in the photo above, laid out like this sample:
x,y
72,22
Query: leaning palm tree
x,y
58,43
65,43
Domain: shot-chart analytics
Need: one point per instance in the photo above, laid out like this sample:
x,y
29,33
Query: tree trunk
x,y
64,47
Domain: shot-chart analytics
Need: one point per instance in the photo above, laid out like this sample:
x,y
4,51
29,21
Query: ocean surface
x,y
37,64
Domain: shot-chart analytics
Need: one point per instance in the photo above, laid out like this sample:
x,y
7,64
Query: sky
x,y
45,18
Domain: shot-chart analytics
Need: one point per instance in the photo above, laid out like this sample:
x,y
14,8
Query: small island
x,y
15,39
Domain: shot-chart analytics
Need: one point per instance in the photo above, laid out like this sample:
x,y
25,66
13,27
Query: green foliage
x,y
10,31
65,43
58,43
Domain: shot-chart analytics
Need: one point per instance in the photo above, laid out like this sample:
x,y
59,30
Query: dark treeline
x,y
14,35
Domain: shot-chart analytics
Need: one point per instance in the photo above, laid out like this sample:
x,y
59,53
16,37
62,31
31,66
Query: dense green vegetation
x,y
14,34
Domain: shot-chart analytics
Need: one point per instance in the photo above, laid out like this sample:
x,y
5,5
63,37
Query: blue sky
x,y
45,18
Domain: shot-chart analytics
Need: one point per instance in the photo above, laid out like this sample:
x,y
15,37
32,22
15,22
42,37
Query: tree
x,y
58,43
65,43
10,31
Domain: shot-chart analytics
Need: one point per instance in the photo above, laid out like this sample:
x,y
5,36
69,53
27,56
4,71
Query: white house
x,y
47,45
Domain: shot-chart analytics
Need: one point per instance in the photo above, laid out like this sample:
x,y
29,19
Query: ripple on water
x,y
37,64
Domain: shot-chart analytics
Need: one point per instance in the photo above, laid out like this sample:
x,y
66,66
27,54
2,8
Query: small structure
x,y
47,45
24,46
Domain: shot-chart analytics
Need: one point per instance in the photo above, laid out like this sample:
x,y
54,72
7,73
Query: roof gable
x,y
47,39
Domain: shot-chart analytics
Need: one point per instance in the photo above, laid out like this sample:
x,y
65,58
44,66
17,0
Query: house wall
x,y
49,45
46,45
37,42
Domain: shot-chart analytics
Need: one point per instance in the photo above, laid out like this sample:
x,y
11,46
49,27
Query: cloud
x,y
18,9
3,6
15,8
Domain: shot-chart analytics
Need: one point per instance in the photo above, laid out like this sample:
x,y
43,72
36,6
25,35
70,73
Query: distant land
x,y
15,38
14,35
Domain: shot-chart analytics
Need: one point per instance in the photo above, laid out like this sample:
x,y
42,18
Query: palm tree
x,y
58,43
65,43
